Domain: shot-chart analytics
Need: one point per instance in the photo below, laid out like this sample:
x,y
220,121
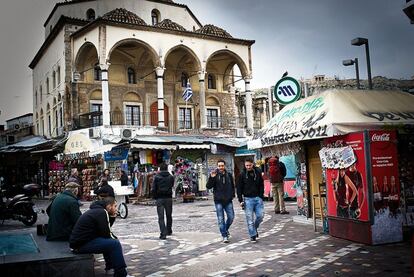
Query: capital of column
x,y
247,79
104,66
160,71
201,75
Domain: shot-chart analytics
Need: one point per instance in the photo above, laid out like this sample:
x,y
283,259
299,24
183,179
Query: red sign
x,y
347,188
385,180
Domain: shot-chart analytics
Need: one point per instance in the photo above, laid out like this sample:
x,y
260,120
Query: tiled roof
x,y
214,31
171,25
123,16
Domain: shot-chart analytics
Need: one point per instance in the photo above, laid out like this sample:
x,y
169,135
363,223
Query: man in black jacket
x,y
162,191
222,184
251,186
92,234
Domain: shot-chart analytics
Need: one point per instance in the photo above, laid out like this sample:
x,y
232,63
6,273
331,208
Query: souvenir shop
x,y
364,159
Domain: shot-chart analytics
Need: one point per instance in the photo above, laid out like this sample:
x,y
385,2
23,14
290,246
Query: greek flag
x,y
188,92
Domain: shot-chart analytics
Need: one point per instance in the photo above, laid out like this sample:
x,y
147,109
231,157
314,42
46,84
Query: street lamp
x,y
359,42
352,62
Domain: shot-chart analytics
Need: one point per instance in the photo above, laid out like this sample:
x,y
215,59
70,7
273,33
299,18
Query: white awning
x,y
154,146
194,146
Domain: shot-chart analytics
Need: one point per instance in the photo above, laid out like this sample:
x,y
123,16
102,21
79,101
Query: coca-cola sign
x,y
381,137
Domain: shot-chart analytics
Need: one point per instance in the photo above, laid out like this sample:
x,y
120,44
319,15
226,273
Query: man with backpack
x,y
162,191
277,173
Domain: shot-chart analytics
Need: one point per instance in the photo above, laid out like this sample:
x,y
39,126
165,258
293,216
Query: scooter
x,y
20,207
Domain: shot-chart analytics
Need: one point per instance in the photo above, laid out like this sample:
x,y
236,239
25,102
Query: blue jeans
x,y
112,251
220,209
253,207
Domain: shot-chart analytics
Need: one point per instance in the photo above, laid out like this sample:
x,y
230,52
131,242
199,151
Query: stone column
x,y
203,111
249,104
160,90
106,104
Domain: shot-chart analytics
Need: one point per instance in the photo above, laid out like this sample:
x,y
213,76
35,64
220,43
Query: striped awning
x,y
154,146
194,146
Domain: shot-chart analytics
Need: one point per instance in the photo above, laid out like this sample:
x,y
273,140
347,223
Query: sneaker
x,y
225,239
284,212
169,233
163,237
253,239
109,272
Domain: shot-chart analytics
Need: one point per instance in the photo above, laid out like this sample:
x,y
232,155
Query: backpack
x,y
277,171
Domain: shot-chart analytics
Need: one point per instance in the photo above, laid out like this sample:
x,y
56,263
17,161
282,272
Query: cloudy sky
x,y
302,36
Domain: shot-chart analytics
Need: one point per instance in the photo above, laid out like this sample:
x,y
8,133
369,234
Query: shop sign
x,y
77,143
116,154
287,90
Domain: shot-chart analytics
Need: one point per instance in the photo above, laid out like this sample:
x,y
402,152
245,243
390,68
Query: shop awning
x,y
194,146
336,112
153,146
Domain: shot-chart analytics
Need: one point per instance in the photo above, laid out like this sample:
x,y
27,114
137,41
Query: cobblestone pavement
x,y
285,248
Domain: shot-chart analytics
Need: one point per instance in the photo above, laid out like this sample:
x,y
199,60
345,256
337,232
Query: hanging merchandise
x,y
186,179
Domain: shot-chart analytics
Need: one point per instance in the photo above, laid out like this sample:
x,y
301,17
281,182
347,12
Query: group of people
x,y
90,232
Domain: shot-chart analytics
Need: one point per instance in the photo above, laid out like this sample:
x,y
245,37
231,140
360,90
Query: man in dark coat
x,y
222,184
63,214
250,190
92,234
162,191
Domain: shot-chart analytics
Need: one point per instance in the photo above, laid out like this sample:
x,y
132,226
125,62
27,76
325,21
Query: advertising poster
x,y
346,181
386,187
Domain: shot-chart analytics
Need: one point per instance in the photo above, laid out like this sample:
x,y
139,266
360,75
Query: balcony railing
x,y
94,119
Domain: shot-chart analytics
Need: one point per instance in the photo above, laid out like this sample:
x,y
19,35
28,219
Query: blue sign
x,y
116,154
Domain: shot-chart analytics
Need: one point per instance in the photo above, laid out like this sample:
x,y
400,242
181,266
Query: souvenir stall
x,y
320,121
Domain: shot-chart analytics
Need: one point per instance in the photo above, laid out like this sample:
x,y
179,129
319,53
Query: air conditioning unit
x,y
127,133
94,133
240,133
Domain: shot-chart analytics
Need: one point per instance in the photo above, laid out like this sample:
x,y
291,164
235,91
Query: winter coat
x,y
223,187
250,184
162,185
94,223
64,212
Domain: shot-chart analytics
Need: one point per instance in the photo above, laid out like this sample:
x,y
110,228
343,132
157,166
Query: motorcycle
x,y
21,206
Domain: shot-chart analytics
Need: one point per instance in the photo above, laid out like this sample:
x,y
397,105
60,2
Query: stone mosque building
x,y
126,63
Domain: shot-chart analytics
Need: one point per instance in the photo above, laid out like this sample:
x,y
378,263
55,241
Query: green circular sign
x,y
287,90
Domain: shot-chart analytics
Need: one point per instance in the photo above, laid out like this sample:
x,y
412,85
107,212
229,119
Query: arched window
x,y
211,81
47,85
90,14
54,79
98,73
155,16
184,79
131,76
58,75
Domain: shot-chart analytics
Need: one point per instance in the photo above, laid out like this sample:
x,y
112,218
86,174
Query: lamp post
x,y
364,41
352,62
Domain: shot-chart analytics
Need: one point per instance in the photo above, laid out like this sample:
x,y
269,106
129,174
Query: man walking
x,y
250,190
222,184
92,234
277,173
162,192
63,214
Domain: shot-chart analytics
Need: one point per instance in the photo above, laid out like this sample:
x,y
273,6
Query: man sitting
x,y
92,234
63,214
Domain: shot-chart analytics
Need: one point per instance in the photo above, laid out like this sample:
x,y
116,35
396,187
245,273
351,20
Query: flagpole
x,y
185,111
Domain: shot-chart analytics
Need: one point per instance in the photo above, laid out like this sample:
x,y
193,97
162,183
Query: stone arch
x,y
237,60
132,97
212,101
95,95
154,55
87,46
189,50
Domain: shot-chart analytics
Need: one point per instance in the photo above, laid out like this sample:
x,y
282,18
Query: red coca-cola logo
x,y
382,137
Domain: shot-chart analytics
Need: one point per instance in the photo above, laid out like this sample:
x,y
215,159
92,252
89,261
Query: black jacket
x,y
94,223
250,184
223,187
162,185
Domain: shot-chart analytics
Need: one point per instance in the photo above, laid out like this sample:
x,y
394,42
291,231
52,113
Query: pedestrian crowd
x,y
91,232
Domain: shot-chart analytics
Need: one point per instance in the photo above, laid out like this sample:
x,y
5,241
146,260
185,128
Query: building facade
x,y
132,63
